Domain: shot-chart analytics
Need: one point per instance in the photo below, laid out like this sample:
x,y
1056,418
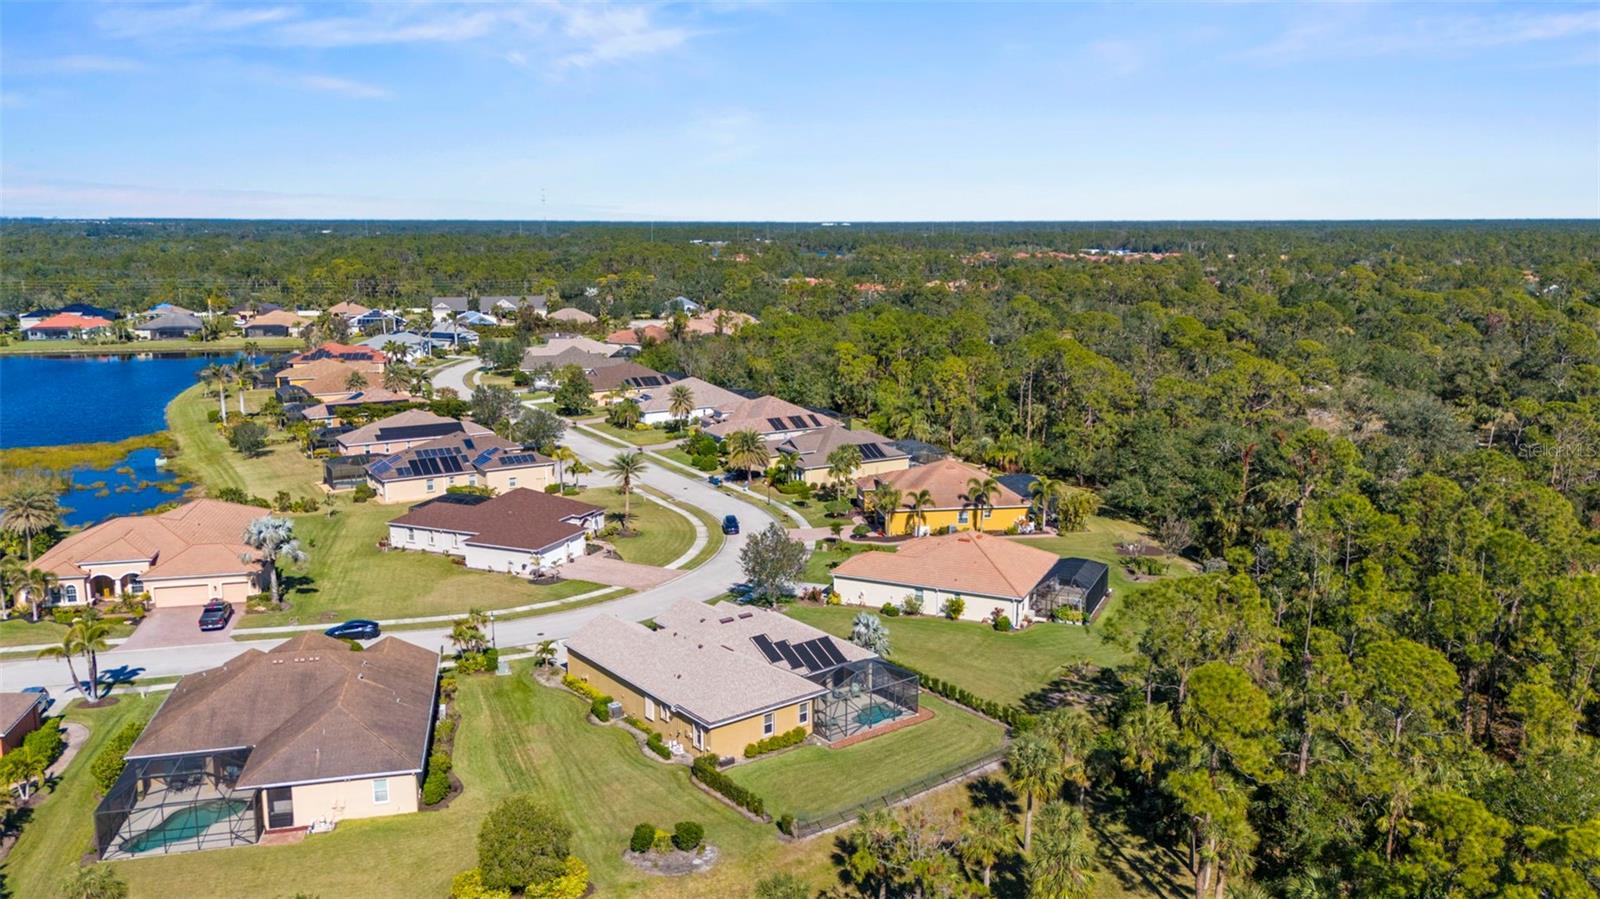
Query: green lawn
x,y
663,536
647,437
74,347
62,829
1098,541
205,457
812,781
714,535
19,631
1001,667
821,562
515,737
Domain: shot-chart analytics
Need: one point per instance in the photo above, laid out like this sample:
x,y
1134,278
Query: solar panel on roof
x,y
776,424
789,655
797,421
766,647
825,647
450,464
469,444
871,451
807,657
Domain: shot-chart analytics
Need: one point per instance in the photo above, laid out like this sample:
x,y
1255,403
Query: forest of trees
x,y
1380,441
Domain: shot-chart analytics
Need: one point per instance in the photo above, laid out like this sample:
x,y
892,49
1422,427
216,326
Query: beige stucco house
x,y
811,449
402,431
991,575
427,470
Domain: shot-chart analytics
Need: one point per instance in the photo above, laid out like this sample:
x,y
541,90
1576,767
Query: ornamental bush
x,y
580,688
687,835
108,765
953,607
775,742
1002,623
435,787
600,708
573,882
658,745
705,770
643,836
522,842
890,610
469,885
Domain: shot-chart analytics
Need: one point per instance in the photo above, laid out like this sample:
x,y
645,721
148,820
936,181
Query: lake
x,y
129,487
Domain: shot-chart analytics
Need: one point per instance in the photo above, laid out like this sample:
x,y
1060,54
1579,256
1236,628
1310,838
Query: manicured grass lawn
x,y
647,437
1098,541
664,535
61,830
347,576
1001,667
813,780
19,631
821,562
515,737
226,345
205,457
714,535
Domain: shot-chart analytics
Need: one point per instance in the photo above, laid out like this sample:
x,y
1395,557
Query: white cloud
x,y
1354,31
82,63
344,87
612,34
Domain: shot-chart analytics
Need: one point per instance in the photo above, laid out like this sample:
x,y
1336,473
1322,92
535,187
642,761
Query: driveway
x,y
177,627
617,573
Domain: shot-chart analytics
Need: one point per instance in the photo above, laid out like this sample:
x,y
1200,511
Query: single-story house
x,y
360,354
545,368
274,323
811,450
637,335
533,357
185,556
946,482
330,379
507,307
28,319
452,334
718,321
168,325
375,321
366,396
773,418
718,678
477,319
65,326
427,470
625,377
518,532
571,315
20,715
415,346
683,304
447,308
301,736
348,311
707,399
992,575
403,430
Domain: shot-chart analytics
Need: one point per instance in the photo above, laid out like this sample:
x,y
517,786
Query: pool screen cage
x,y
177,803
862,695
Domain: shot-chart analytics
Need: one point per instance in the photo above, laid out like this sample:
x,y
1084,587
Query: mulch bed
x,y
674,863
923,714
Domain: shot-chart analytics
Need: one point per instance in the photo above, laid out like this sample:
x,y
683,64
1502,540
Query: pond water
x,y
129,487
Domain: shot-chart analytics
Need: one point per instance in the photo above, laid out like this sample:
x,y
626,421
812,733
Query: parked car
x,y
44,697
715,481
730,524
355,629
216,615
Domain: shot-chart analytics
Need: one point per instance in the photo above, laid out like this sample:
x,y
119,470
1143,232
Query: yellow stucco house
x,y
427,470
950,509
715,679
811,449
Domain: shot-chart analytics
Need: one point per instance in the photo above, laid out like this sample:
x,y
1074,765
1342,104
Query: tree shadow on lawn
x,y
1138,851
1079,684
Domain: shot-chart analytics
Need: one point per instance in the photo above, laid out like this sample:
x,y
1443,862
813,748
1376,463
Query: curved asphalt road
x,y
711,578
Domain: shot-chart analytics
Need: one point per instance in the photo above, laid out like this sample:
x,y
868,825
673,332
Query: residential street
x,y
710,579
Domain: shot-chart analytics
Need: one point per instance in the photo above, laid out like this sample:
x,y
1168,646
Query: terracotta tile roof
x,y
706,396
813,447
277,317
412,424
310,709
164,541
706,322
958,563
517,519
758,414
946,479
572,314
630,336
702,679
63,321
338,351
348,308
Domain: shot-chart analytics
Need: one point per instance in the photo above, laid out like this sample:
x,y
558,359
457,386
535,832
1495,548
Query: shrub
x,y
552,488
469,885
782,885
786,823
834,598
355,645
522,842
953,607
705,463
579,687
46,742
439,760
661,841
658,745
1002,623
775,742
363,493
643,836
108,765
860,530
435,787
890,610
447,689
688,835
705,770
910,606
601,708
571,884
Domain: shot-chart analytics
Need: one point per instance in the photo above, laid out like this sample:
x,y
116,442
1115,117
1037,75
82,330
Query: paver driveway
x,y
617,573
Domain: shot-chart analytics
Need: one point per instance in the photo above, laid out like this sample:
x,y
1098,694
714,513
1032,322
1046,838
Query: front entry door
x,y
280,807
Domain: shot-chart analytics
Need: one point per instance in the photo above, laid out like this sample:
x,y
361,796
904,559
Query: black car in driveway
x,y
730,524
215,616
356,629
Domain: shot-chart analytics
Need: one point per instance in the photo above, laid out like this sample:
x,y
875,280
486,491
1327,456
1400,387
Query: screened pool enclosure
x,y
862,695
177,803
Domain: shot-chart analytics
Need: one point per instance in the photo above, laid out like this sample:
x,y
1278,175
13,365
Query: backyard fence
x,y
806,827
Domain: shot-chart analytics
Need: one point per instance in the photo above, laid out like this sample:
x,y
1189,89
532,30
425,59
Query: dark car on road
x,y
358,629
215,616
714,481
730,524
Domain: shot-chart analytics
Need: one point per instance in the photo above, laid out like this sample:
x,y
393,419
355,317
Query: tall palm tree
x,y
1062,865
66,649
244,371
885,499
680,402
986,835
625,468
11,570
217,375
1145,737
251,348
747,451
1045,491
37,584
89,634
1035,772
397,377
981,493
356,381
395,350
1073,733
843,463
274,541
917,506
31,505
563,455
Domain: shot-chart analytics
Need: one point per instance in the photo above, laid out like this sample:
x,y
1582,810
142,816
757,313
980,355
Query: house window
x,y
960,516
380,791
472,480
918,595
70,592
513,483
430,490
766,724
805,712
649,709
699,737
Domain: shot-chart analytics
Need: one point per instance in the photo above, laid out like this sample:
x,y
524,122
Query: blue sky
x,y
804,111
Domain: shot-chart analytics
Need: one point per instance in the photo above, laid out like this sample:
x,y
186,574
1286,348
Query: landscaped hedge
x,y
1012,715
108,765
658,745
775,742
705,771
600,708
688,835
643,836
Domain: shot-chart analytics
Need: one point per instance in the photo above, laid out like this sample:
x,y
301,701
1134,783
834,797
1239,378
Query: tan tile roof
x,y
703,679
164,541
517,519
946,479
813,447
706,396
572,314
348,308
393,428
309,708
754,414
706,322
733,627
557,344
277,317
958,563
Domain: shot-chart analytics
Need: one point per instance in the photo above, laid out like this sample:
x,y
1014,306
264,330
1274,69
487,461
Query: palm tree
x,y
747,451
1035,770
273,539
1144,738
562,455
1046,491
842,465
11,570
917,506
355,382
981,493
395,350
66,650
89,635
1073,732
625,467
37,584
1063,865
545,654
986,835
244,371
868,632
397,377
31,505
885,498
217,375
680,402
251,348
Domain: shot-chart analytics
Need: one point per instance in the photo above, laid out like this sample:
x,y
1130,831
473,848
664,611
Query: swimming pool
x,y
877,713
186,823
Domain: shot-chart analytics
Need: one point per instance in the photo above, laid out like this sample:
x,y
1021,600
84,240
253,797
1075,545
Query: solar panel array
x,y
871,451
519,459
815,655
775,423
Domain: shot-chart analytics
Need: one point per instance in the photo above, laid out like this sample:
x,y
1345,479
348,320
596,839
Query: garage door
x,y
190,595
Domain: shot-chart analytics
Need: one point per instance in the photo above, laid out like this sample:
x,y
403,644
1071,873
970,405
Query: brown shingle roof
x,y
309,708
625,374
14,707
517,519
813,447
945,479
756,414
958,563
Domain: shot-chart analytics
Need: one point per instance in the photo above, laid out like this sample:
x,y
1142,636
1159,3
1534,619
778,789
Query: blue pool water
x,y
187,823
52,400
